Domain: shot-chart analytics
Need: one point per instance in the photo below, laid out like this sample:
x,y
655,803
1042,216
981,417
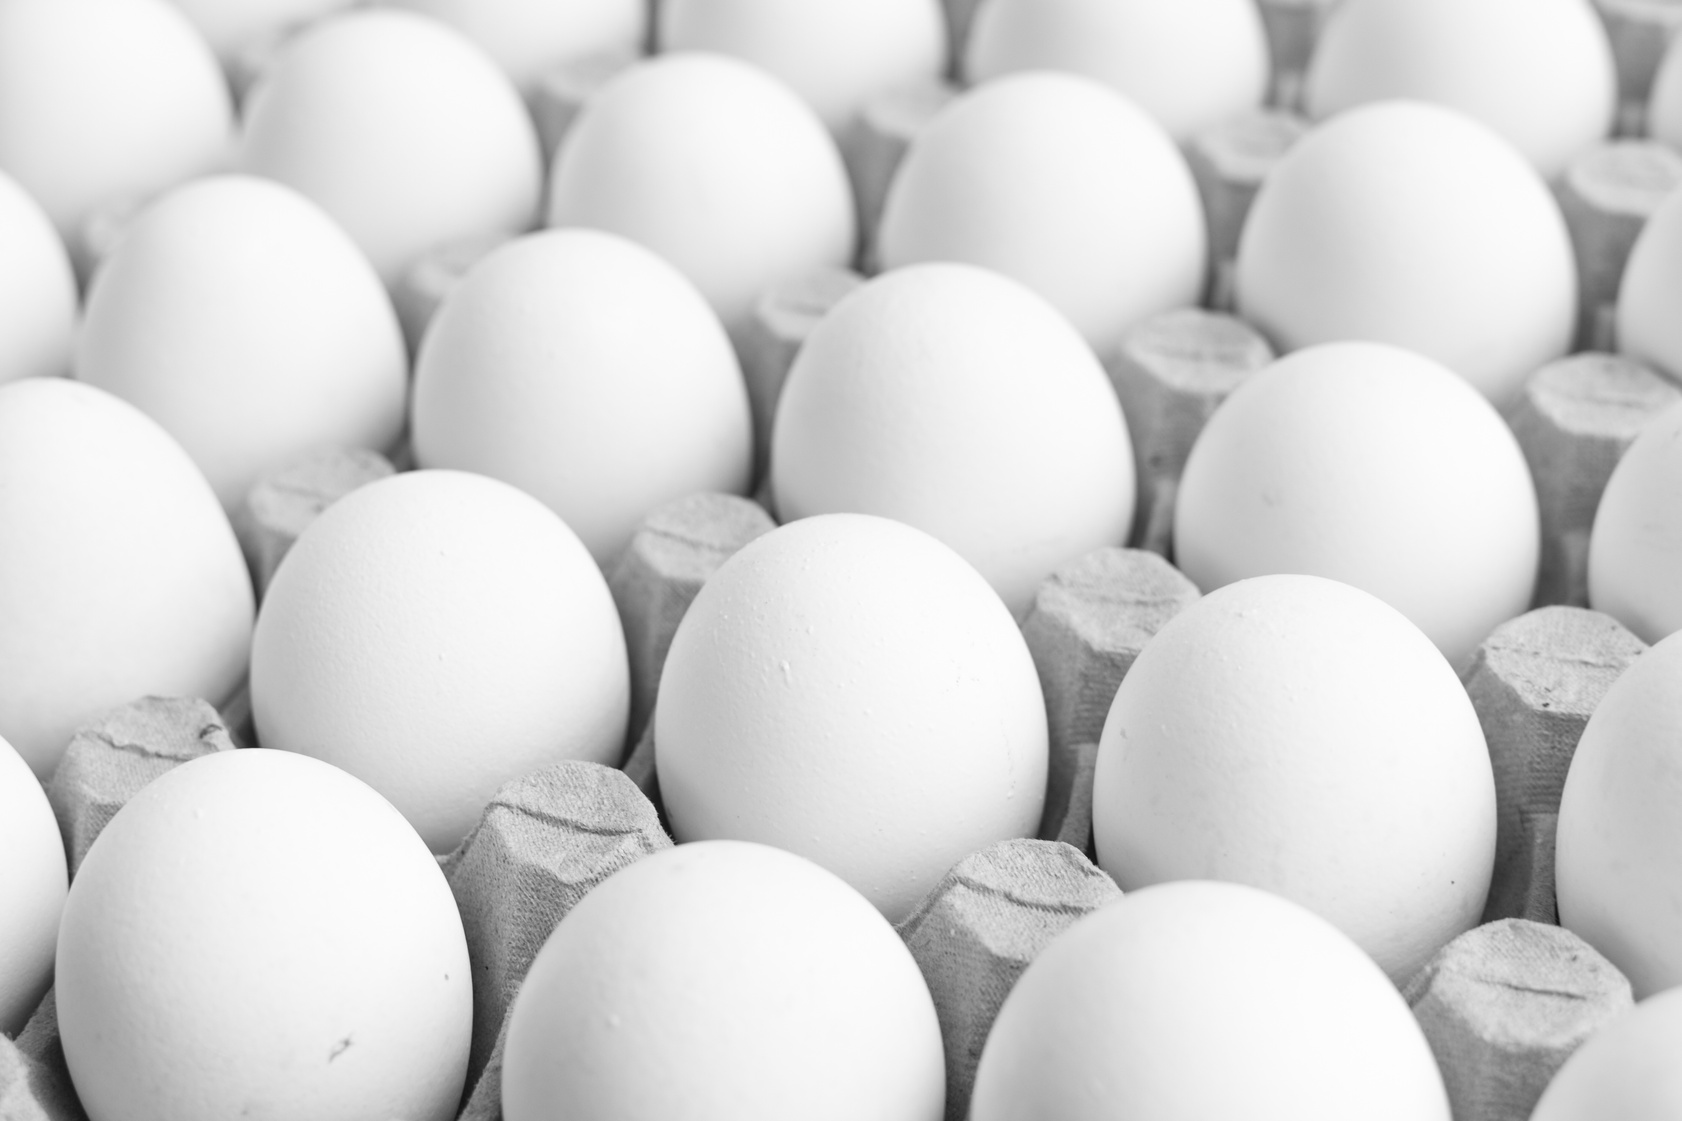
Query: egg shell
x,y
437,634
1412,224
587,371
723,980
1628,1070
234,26
257,933
1063,184
1664,102
1371,465
957,401
38,294
1648,328
715,165
1190,64
400,128
33,882
105,100
835,54
243,319
1539,72
526,37
1635,548
1299,735
119,573
848,688
1618,856
1205,1000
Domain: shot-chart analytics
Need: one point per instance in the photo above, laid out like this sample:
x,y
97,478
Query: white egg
x,y
119,573
525,37
1649,328
1664,102
437,634
400,128
1539,72
37,289
723,981
1618,857
589,372
1300,735
716,166
102,101
1061,183
33,880
233,26
957,401
1412,224
847,688
835,54
1635,550
1627,1070
1190,64
259,934
1375,466
1205,1000
243,319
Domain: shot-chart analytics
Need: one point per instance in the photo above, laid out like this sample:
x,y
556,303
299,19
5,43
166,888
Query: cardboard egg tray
x,y
1502,1006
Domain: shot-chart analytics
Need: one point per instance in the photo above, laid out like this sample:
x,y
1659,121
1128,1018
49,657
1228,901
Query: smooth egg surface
x,y
849,689
243,319
1300,735
1664,102
1190,64
33,881
259,934
1618,857
1539,72
119,573
437,634
1063,184
834,53
955,400
1412,224
38,295
1371,465
723,981
400,128
233,27
715,165
1648,328
589,372
1627,1070
1635,549
526,37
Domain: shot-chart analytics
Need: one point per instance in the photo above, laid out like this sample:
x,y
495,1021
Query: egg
x,y
836,54
587,371
715,165
1618,856
1627,1070
723,980
1063,184
1301,736
526,37
37,289
1190,64
243,319
259,934
436,634
954,399
1412,224
1371,465
400,128
849,689
102,101
119,573
1648,328
1205,1000
1539,72
33,881
1664,102
235,26
1635,549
